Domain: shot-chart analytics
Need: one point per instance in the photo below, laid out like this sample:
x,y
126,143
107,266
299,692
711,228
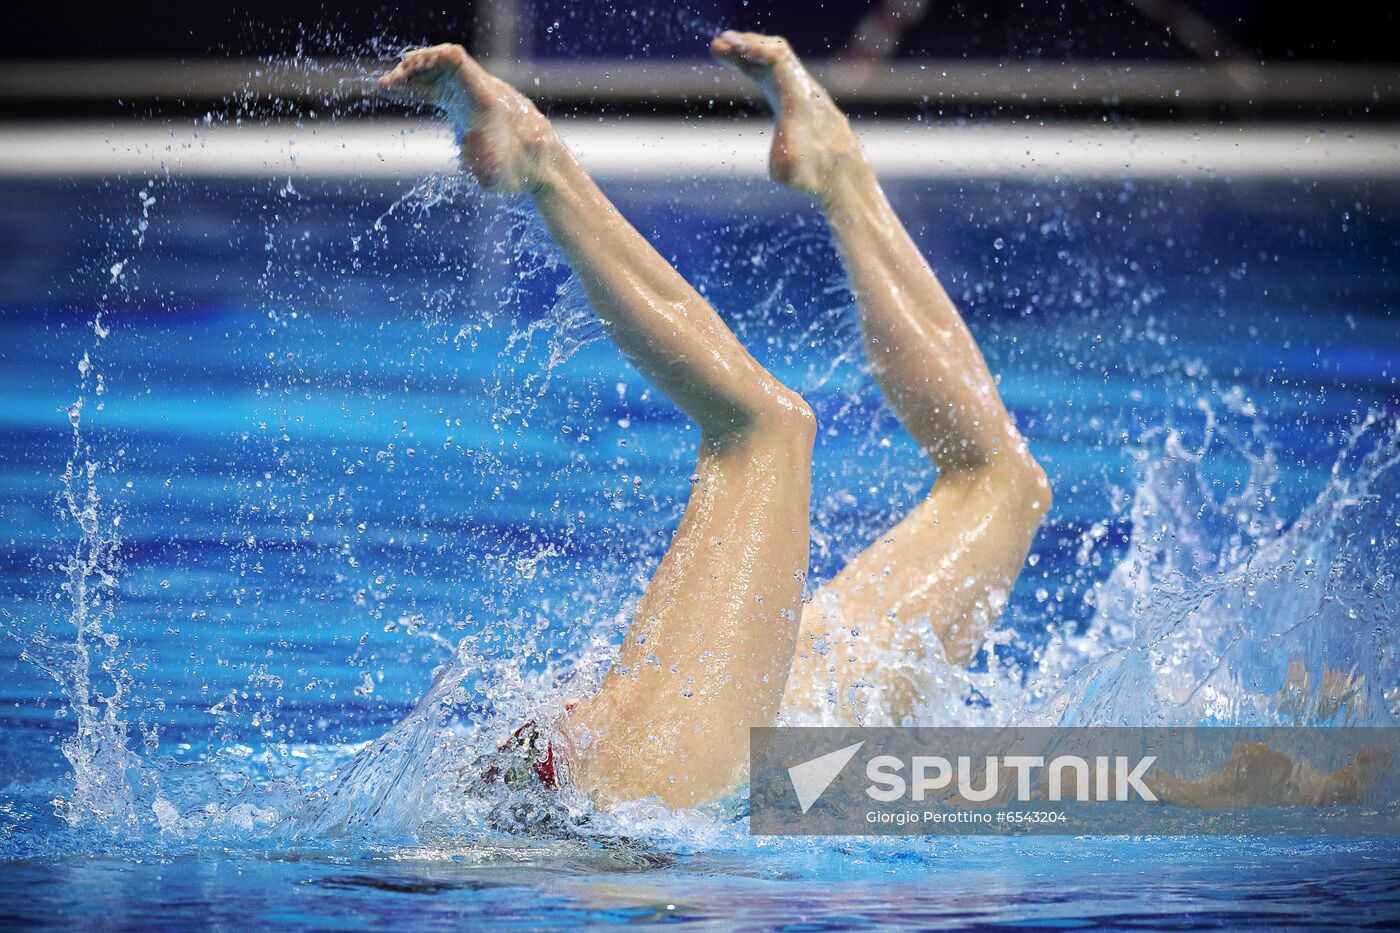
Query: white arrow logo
x,y
811,778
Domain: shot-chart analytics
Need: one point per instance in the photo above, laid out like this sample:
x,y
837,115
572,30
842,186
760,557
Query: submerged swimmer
x,y
722,640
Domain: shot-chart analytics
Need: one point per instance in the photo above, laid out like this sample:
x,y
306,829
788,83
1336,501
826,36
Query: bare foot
x,y
506,142
813,142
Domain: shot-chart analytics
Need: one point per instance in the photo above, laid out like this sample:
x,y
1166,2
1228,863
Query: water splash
x,y
92,669
397,782
106,772
1220,613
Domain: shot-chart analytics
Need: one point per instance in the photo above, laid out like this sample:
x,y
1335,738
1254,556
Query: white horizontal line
x,y
940,81
716,147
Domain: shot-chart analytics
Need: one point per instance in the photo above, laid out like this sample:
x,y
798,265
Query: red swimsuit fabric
x,y
525,740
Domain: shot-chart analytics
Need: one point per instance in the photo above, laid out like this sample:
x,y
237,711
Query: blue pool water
x,y
342,433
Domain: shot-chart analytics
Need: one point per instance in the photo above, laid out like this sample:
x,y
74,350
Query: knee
x,y
787,416
1012,478
1031,484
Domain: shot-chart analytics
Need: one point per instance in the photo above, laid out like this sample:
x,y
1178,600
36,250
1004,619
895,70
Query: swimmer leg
x,y
709,648
951,562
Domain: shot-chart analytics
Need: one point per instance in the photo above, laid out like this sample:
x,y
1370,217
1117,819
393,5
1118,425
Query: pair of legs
x,y
721,640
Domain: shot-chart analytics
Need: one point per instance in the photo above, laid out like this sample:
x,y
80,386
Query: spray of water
x,y
90,666
1218,610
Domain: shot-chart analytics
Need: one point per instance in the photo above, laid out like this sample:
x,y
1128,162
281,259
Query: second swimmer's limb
x,y
1258,776
709,648
951,561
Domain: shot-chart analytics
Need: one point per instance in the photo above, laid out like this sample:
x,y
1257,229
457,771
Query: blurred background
x,y
1239,59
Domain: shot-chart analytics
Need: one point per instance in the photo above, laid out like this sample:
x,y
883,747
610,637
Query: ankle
x,y
849,185
550,162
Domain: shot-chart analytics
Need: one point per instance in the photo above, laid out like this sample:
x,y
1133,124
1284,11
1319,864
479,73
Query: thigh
x,y
709,648
927,591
